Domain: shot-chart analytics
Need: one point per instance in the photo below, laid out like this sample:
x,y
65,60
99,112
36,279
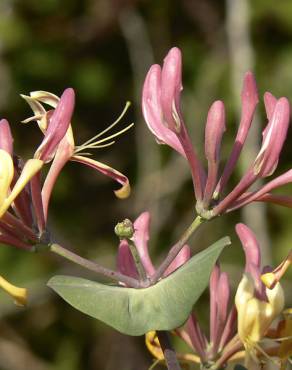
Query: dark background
x,y
103,49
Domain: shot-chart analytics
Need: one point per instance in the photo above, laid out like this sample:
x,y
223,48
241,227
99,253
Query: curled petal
x,y
121,193
58,126
152,110
171,87
19,294
141,238
39,112
6,139
153,345
45,97
270,279
31,167
6,174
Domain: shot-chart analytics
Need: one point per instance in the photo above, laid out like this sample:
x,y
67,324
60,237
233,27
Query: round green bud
x,y
124,229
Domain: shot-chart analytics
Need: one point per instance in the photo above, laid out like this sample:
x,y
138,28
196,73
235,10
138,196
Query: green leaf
x,y
163,306
239,367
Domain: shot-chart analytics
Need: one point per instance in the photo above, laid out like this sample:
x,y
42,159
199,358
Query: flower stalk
x,y
93,266
174,251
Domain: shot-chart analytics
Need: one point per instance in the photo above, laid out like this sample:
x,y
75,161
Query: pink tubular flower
x,y
162,113
125,261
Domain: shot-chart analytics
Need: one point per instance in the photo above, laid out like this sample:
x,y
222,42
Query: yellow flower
x,y
254,315
18,294
31,167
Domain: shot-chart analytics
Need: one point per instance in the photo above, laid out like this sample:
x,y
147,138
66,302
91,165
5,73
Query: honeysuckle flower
x,y
222,320
259,301
161,110
162,113
67,150
254,315
282,340
18,294
246,323
20,182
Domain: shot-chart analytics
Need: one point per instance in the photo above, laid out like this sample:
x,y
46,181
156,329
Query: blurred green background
x,y
103,49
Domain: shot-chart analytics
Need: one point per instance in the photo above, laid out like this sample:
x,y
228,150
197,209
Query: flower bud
x,y
6,139
125,261
171,87
274,136
214,130
152,110
124,229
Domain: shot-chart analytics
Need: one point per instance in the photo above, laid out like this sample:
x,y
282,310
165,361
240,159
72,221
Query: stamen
x,y
252,346
112,136
96,144
110,126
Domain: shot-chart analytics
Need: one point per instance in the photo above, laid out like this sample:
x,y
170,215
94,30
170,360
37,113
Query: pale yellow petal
x,y
31,167
45,97
38,110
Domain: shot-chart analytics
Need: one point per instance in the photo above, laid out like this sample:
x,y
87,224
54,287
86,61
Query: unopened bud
x,y
124,229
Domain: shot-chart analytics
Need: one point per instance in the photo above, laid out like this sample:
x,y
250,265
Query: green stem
x,y
137,260
89,265
176,249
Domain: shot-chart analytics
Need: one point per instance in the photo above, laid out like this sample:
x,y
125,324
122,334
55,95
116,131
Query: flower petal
x,y
19,294
125,190
152,110
183,256
249,101
141,238
171,87
31,167
6,139
58,126
125,261
6,174
273,139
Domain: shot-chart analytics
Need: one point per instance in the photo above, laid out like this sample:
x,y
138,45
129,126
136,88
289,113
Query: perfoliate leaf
x,y
163,306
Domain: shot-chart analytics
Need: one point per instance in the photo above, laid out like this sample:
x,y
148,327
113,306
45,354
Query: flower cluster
x,y
162,113
24,195
244,324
